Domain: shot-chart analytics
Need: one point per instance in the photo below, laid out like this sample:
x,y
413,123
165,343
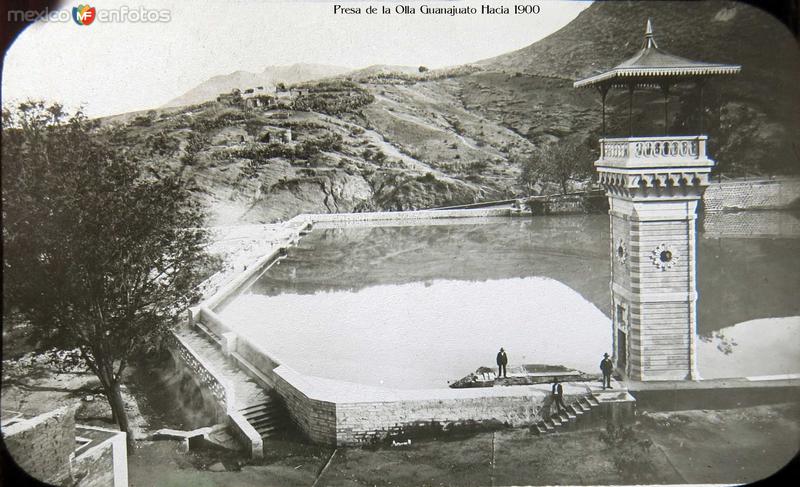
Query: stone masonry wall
x,y
745,224
202,375
752,194
42,445
399,216
365,422
316,419
349,414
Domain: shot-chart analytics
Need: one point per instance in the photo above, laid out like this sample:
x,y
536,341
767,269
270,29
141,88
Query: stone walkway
x,y
246,391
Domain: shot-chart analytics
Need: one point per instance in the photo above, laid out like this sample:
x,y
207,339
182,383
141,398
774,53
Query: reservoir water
x,y
417,306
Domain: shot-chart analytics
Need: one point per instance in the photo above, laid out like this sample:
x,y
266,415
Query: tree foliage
x,y
98,256
559,162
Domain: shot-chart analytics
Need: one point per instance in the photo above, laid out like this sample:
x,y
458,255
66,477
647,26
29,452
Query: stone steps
x,y
246,391
268,417
575,414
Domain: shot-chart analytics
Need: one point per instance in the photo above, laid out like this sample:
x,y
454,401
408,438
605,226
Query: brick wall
x,y
42,445
753,194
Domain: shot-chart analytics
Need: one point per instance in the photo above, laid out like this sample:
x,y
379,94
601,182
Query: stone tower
x,y
653,186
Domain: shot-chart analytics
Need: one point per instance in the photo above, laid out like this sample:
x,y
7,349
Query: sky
x,y
111,67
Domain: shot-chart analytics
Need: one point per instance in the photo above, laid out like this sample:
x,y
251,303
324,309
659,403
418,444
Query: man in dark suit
x,y
502,361
558,396
607,367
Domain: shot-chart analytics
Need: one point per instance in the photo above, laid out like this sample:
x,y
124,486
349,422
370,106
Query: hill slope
x,y
385,139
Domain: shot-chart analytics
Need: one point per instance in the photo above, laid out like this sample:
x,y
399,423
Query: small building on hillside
x,y
276,134
234,97
259,100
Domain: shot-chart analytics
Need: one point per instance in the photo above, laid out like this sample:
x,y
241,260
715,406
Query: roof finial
x,y
649,40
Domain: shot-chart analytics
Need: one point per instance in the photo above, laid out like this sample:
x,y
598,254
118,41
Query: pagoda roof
x,y
651,66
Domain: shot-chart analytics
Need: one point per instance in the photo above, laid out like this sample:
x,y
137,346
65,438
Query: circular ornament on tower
x,y
664,256
621,251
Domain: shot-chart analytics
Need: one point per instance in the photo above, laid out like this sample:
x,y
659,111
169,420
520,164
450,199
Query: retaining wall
x,y
403,216
342,413
756,194
204,376
750,224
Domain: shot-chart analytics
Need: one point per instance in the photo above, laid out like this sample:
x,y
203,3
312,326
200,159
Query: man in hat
x,y
558,396
502,361
607,367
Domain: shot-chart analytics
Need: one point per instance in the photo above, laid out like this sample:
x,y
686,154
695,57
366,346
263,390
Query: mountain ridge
x,y
269,77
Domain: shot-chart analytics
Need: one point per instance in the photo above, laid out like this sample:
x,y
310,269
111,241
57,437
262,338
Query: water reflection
x,y
769,346
422,334
740,279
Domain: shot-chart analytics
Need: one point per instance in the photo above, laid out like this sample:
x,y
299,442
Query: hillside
x,y
268,78
395,138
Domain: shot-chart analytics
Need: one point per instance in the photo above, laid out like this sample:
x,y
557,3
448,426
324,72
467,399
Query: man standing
x,y
607,367
558,396
502,361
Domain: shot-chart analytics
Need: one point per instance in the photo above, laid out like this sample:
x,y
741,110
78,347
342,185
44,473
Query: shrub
x,y
194,145
630,454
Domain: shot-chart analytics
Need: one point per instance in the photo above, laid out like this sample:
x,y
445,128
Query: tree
x,y
98,255
557,162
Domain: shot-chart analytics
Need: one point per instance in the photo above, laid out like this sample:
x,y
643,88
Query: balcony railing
x,y
659,150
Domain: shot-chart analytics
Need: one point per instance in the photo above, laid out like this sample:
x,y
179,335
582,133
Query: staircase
x,y
576,413
268,417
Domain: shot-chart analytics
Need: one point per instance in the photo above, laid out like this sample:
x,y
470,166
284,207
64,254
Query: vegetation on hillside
x,y
392,137
558,163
